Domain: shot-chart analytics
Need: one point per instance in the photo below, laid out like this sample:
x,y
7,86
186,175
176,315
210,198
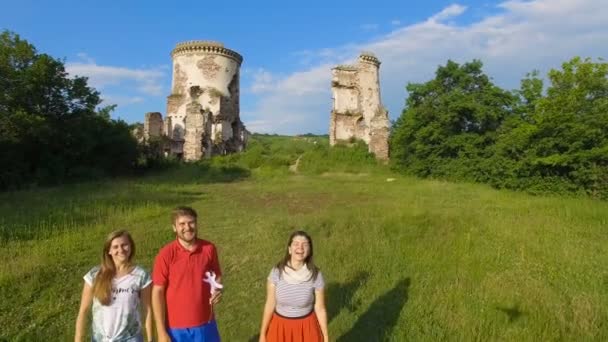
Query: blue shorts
x,y
203,333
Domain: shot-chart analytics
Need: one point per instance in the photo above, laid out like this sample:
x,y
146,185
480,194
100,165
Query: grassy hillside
x,y
403,259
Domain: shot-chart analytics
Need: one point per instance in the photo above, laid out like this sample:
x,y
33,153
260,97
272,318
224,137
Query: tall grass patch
x,y
404,260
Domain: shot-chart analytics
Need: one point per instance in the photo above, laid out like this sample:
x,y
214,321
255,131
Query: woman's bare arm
x,y
321,312
85,304
268,310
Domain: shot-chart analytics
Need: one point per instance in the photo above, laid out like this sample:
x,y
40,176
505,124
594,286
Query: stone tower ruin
x,y
357,111
203,108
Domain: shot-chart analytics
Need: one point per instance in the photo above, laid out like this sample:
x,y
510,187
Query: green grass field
x,y
404,260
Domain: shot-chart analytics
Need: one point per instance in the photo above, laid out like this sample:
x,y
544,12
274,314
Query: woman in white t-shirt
x,y
295,300
117,290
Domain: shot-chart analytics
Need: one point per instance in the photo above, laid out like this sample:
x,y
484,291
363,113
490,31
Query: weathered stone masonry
x,y
357,109
203,108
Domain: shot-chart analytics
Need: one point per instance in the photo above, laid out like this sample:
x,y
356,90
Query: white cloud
x,y
395,22
262,81
524,36
148,81
307,91
121,100
324,56
85,57
448,12
149,87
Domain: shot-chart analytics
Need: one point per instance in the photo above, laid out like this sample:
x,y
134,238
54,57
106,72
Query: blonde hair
x,y
102,285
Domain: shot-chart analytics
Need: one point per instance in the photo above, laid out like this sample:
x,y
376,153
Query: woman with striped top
x,y
295,302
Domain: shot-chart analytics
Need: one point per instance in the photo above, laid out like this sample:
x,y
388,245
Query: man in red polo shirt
x,y
182,301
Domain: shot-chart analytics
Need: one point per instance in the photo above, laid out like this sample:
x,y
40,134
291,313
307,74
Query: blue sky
x,y
289,48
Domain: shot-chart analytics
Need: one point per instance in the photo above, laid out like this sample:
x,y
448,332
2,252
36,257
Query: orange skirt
x,y
301,329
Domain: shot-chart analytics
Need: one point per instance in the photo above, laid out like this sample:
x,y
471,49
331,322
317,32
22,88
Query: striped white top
x,y
295,300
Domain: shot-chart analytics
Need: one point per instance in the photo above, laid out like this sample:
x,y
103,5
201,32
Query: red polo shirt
x,y
181,272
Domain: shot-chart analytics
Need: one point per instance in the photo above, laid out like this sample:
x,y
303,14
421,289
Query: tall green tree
x,y
461,126
448,122
562,143
50,130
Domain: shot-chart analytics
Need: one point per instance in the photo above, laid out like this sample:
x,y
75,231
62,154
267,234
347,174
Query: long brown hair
x,y
102,285
310,263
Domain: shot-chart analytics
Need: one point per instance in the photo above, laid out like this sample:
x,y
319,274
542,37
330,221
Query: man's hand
x,y
164,337
215,297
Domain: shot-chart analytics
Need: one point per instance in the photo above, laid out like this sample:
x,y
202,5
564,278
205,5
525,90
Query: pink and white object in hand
x,y
210,278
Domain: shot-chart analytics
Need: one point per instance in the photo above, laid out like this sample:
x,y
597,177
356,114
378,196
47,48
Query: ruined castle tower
x,y
153,125
357,108
203,108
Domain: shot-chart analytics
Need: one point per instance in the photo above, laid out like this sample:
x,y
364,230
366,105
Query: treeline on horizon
x,y
51,128
461,126
458,126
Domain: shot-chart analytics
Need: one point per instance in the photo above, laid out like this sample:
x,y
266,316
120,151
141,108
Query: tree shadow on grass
x,y
377,323
51,211
201,173
71,211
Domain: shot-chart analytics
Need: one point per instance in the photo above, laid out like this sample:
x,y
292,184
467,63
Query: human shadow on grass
x,y
340,296
513,313
377,323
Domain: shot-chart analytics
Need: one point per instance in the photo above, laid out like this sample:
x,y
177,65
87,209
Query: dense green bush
x,y
352,158
274,155
461,126
50,128
449,122
561,143
264,151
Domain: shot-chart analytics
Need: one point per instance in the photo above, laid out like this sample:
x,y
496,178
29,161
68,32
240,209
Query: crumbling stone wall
x,y
167,126
153,125
214,71
198,128
357,111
